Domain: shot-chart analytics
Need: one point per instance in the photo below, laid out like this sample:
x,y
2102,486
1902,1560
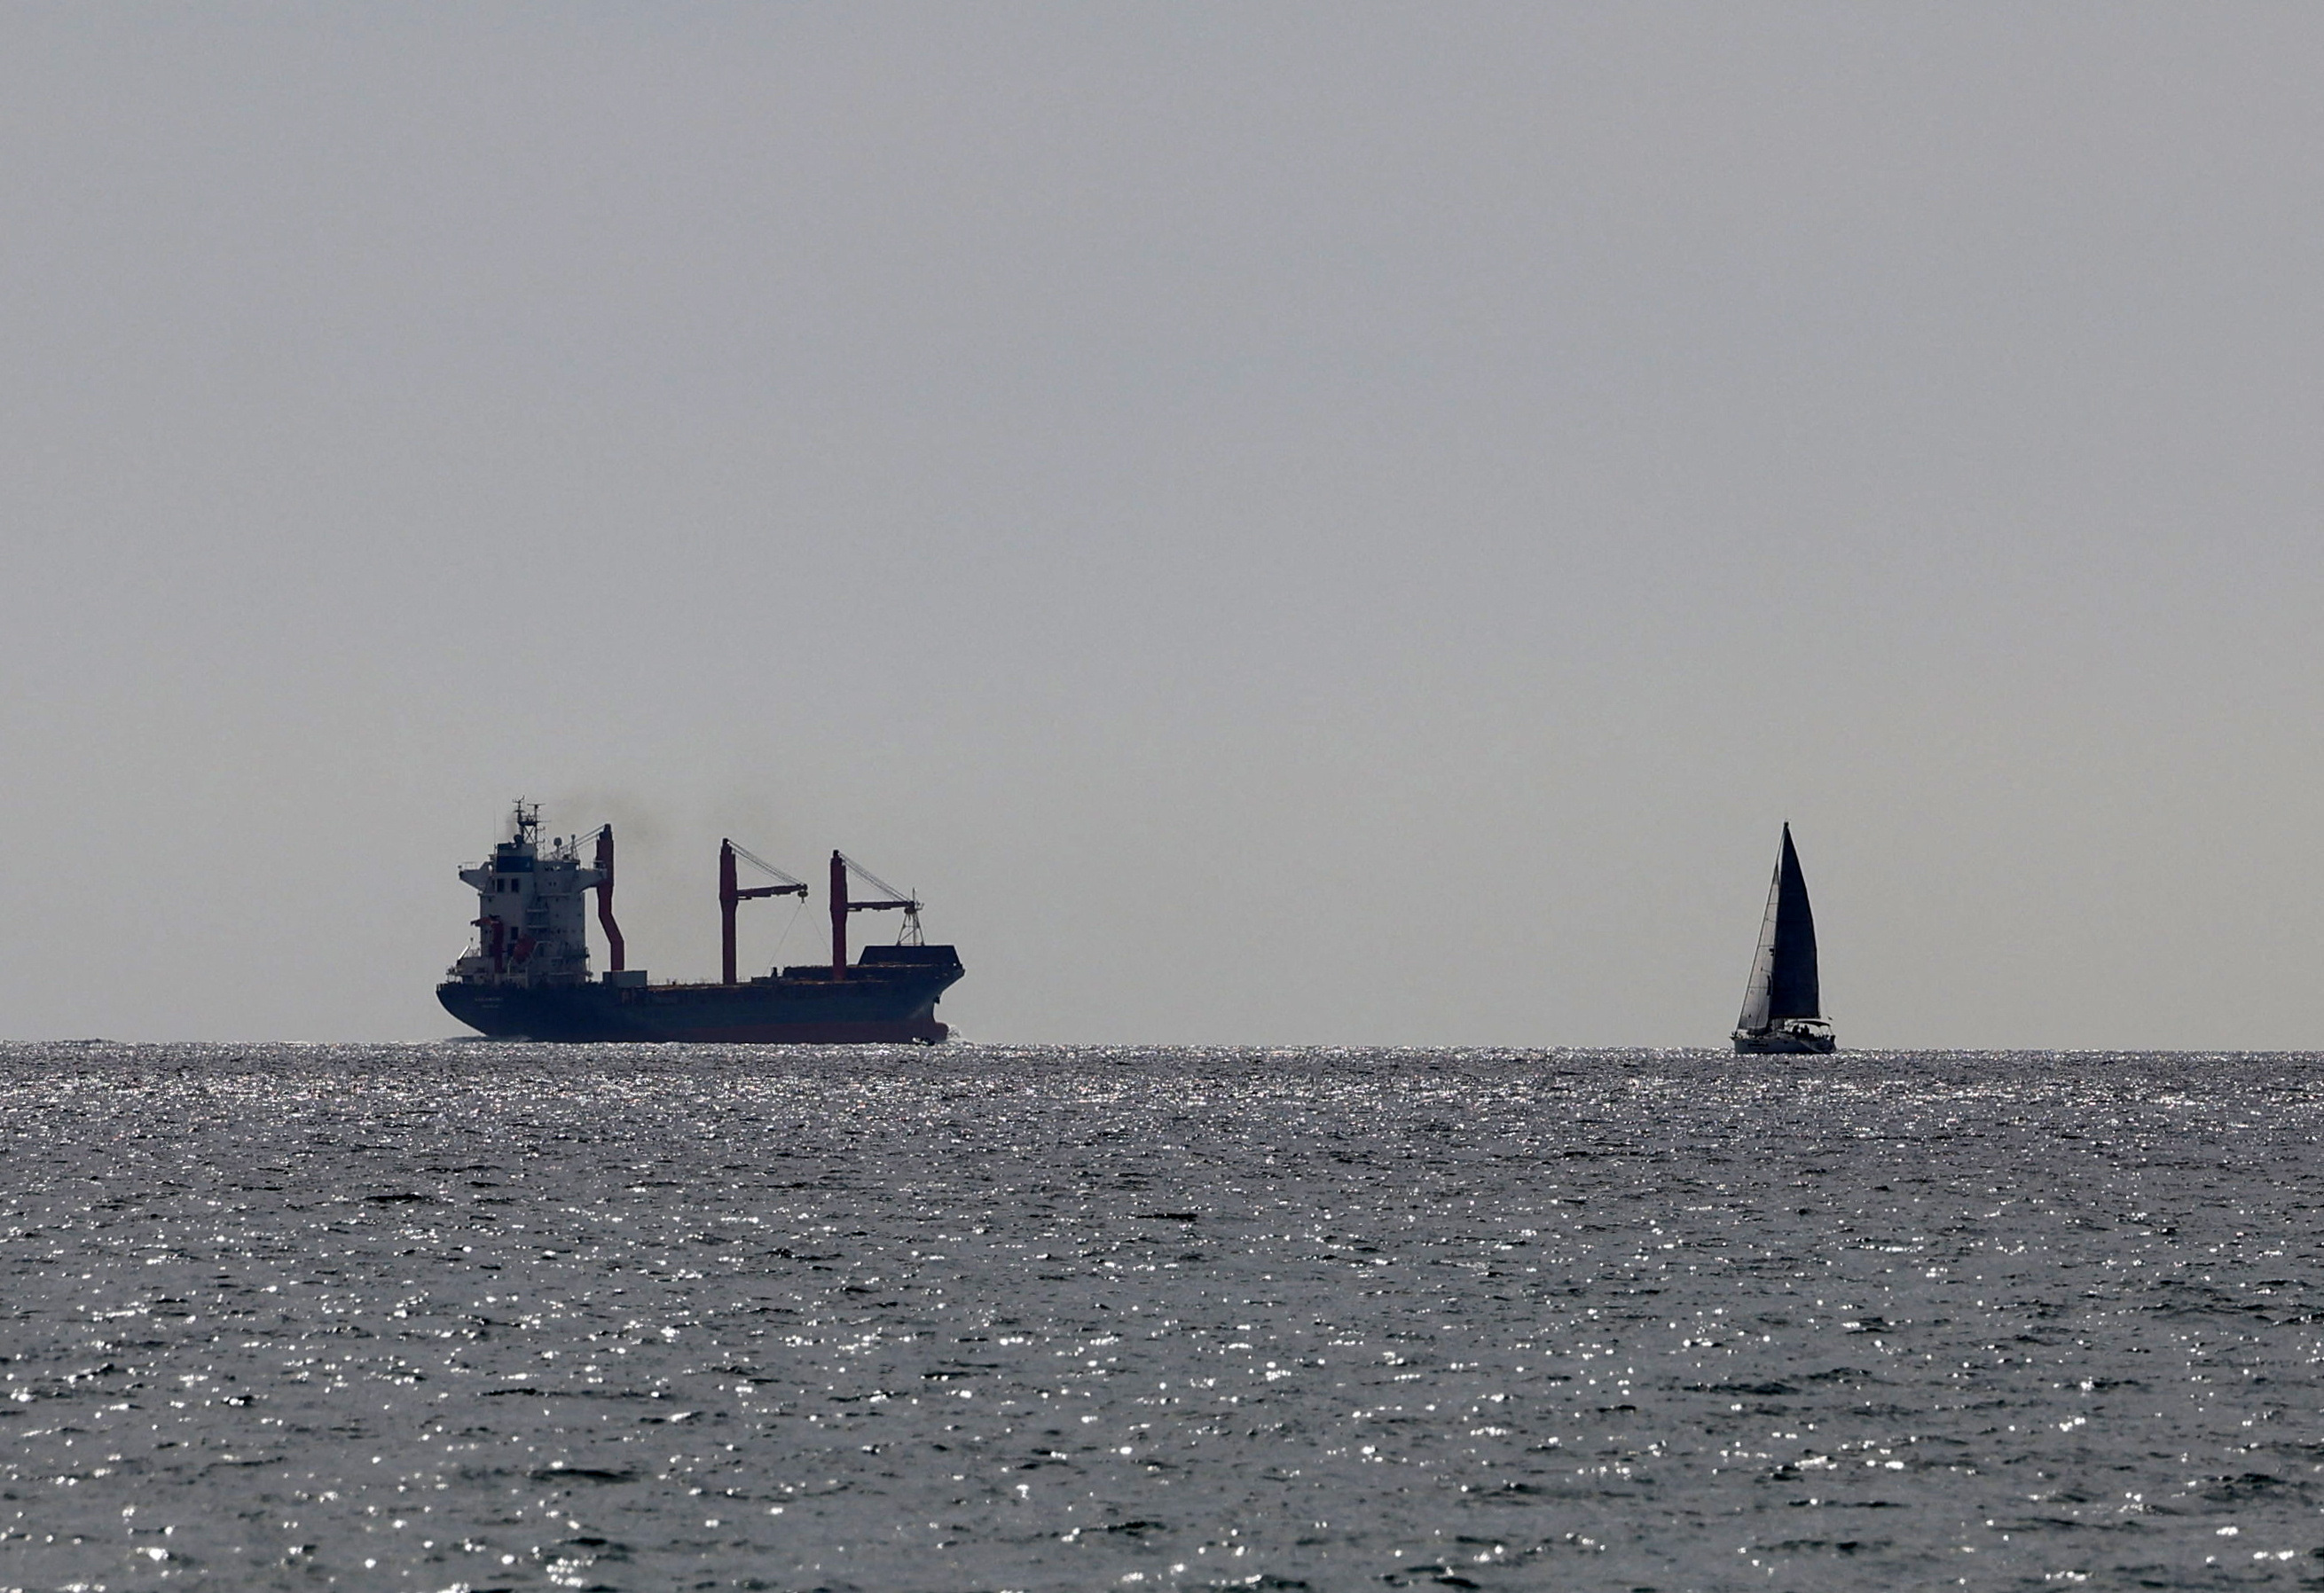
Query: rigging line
x,y
868,878
762,865
789,924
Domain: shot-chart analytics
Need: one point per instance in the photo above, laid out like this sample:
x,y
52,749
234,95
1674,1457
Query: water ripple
x,y
471,1316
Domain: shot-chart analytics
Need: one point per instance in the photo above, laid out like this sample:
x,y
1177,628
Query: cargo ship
x,y
526,975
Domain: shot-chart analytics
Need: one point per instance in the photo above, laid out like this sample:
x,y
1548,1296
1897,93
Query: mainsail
x,y
1783,968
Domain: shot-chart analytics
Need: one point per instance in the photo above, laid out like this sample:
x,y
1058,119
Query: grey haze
x,y
1338,524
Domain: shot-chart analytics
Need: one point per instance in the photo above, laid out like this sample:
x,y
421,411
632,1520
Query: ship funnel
x,y
605,900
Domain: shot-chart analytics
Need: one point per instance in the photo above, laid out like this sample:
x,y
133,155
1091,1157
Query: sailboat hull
x,y
1783,1042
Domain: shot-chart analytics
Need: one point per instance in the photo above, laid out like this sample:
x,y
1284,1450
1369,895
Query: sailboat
x,y
1781,1008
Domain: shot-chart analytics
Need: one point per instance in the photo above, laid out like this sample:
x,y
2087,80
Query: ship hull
x,y
856,1011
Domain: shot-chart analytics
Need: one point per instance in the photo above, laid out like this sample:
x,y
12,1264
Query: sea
x,y
467,1316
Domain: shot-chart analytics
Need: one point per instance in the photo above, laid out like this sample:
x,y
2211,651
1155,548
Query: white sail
x,y
1763,962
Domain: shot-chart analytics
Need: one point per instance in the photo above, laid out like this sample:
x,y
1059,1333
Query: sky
x,y
1285,524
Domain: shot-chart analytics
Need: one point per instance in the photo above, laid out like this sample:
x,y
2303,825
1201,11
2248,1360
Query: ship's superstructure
x,y
527,974
529,922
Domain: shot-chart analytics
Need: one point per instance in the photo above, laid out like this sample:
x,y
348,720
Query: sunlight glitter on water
x,y
542,1317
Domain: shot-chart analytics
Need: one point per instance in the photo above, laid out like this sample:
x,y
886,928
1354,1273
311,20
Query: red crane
x,y
841,906
730,894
